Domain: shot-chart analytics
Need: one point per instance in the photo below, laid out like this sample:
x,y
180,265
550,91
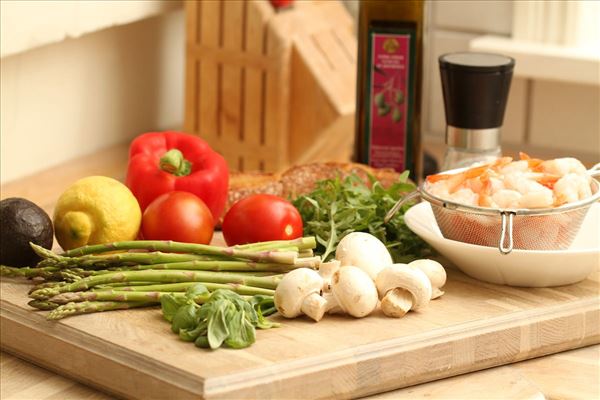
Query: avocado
x,y
21,222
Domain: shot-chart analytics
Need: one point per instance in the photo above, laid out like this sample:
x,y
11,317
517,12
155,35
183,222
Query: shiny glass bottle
x,y
388,97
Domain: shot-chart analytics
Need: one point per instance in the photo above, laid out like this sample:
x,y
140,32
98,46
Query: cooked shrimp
x,y
541,198
533,163
517,166
522,183
507,198
563,166
570,188
465,196
526,183
439,189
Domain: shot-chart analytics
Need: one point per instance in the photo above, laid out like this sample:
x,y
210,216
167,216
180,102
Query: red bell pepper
x,y
161,162
277,4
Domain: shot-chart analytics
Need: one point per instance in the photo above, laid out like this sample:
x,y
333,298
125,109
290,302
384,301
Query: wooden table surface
x,y
573,374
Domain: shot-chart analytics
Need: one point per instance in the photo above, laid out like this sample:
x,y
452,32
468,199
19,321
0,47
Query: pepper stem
x,y
174,163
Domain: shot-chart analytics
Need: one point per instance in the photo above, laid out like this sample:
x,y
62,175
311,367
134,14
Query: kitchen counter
x,y
572,374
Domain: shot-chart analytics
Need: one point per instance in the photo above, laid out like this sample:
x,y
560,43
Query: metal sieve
x,y
508,229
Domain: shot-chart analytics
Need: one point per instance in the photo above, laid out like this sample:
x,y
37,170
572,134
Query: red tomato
x,y
178,216
260,218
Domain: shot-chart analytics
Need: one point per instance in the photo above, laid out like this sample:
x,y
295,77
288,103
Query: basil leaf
x,y
185,318
195,291
202,341
242,331
225,317
169,305
217,325
190,335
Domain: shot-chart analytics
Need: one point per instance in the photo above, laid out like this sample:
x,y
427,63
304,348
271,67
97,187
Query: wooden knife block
x,y
268,88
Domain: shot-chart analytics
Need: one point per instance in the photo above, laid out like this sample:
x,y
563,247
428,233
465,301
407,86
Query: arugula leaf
x,y
338,207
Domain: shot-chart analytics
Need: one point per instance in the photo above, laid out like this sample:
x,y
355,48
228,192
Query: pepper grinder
x,y
475,87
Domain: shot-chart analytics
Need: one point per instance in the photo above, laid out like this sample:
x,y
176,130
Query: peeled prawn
x,y
525,183
507,198
466,196
570,188
522,183
563,166
517,166
542,198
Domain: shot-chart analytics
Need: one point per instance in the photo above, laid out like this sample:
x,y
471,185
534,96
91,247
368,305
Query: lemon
x,y
95,210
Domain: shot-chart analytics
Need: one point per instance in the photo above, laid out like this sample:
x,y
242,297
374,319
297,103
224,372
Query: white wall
x,y
64,100
28,24
71,98
561,117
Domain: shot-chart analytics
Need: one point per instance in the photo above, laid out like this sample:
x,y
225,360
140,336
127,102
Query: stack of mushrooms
x,y
361,274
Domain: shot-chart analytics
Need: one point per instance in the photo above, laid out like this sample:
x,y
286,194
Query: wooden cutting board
x,y
474,326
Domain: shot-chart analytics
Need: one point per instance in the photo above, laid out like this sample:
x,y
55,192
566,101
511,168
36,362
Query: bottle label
x,y
391,92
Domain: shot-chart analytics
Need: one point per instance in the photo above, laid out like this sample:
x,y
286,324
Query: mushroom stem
x,y
314,306
326,270
331,304
396,302
402,288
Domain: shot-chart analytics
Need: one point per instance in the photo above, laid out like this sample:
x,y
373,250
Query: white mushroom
x,y
364,251
352,292
402,288
299,292
435,272
326,270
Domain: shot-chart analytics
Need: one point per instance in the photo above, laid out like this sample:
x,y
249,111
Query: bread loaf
x,y
300,179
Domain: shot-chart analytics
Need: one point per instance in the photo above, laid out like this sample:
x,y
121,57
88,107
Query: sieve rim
x,y
451,205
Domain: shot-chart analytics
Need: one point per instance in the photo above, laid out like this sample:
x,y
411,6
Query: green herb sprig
x,y
338,207
224,318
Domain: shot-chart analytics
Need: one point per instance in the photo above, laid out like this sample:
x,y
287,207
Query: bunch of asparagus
x,y
131,274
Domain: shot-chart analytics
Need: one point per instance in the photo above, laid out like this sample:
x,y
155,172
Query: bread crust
x,y
301,179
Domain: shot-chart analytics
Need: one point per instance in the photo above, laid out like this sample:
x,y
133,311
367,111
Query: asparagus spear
x,y
120,259
283,257
163,276
142,283
242,266
93,306
43,304
183,286
302,243
47,273
108,295
27,272
122,296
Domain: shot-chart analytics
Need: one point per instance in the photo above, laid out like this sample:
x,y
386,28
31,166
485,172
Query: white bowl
x,y
530,268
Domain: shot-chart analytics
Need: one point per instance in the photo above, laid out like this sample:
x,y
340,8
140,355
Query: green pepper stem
x,y
174,163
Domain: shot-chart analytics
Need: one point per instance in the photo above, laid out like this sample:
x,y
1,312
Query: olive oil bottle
x,y
388,97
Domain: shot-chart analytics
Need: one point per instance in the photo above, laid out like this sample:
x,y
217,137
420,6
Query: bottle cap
x,y
475,87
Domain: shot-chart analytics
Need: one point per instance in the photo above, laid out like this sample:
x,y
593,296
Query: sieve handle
x,y
401,201
507,225
594,171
